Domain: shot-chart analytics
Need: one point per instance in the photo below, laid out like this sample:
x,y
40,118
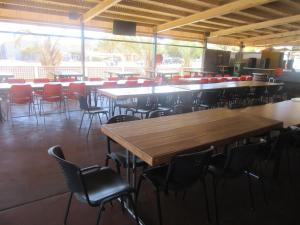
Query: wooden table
x,y
286,111
226,85
63,74
157,140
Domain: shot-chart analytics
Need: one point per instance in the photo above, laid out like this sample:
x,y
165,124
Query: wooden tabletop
x,y
140,91
157,140
287,111
225,85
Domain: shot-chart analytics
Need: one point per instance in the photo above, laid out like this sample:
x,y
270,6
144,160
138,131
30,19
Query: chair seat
x,y
97,110
121,158
111,185
157,176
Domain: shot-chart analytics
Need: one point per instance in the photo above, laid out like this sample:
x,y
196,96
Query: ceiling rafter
x,y
210,13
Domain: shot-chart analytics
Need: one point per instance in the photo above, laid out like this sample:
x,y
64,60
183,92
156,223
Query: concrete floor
x,y
33,191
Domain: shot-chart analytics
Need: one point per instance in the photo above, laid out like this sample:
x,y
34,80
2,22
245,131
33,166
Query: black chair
x,y
179,109
180,175
91,111
120,157
144,106
237,162
159,113
208,99
94,185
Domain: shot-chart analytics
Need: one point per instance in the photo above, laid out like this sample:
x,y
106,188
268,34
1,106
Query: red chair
x,y
21,95
158,80
15,81
219,75
113,78
243,78
213,80
132,83
187,76
203,81
110,84
208,75
227,75
52,94
132,78
178,81
176,77
249,78
66,79
95,79
148,83
41,80
75,90
223,79
235,79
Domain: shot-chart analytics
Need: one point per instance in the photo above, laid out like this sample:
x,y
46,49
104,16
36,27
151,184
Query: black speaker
x,y
124,28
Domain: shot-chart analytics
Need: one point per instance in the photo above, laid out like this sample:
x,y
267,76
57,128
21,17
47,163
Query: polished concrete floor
x,y
33,192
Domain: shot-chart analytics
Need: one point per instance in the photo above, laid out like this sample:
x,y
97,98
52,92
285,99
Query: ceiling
x,y
253,22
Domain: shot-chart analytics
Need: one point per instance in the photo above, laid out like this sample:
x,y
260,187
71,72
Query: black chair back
x,y
83,103
70,170
158,113
186,169
242,157
210,98
122,118
178,109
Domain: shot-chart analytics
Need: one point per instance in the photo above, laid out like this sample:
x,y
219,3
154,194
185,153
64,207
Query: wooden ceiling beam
x,y
250,41
98,9
254,26
277,41
210,13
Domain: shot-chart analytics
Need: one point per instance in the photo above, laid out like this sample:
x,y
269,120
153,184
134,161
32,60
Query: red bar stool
x,y
21,95
227,75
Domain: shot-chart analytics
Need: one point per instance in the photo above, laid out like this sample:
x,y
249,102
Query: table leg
x,y
1,115
127,205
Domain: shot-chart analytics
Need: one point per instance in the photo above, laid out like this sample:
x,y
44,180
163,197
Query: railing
x,y
31,72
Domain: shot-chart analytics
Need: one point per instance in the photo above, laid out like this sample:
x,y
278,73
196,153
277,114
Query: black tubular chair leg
x,y
107,160
122,204
216,200
250,190
99,117
206,200
68,208
262,184
158,206
81,121
99,213
91,121
133,206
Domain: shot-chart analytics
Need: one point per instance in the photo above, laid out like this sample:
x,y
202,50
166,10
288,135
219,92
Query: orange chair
x,y
66,79
52,93
148,83
15,81
243,78
176,77
21,95
41,80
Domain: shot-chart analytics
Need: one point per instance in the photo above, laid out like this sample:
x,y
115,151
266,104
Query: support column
x,y
82,48
206,35
154,54
240,57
